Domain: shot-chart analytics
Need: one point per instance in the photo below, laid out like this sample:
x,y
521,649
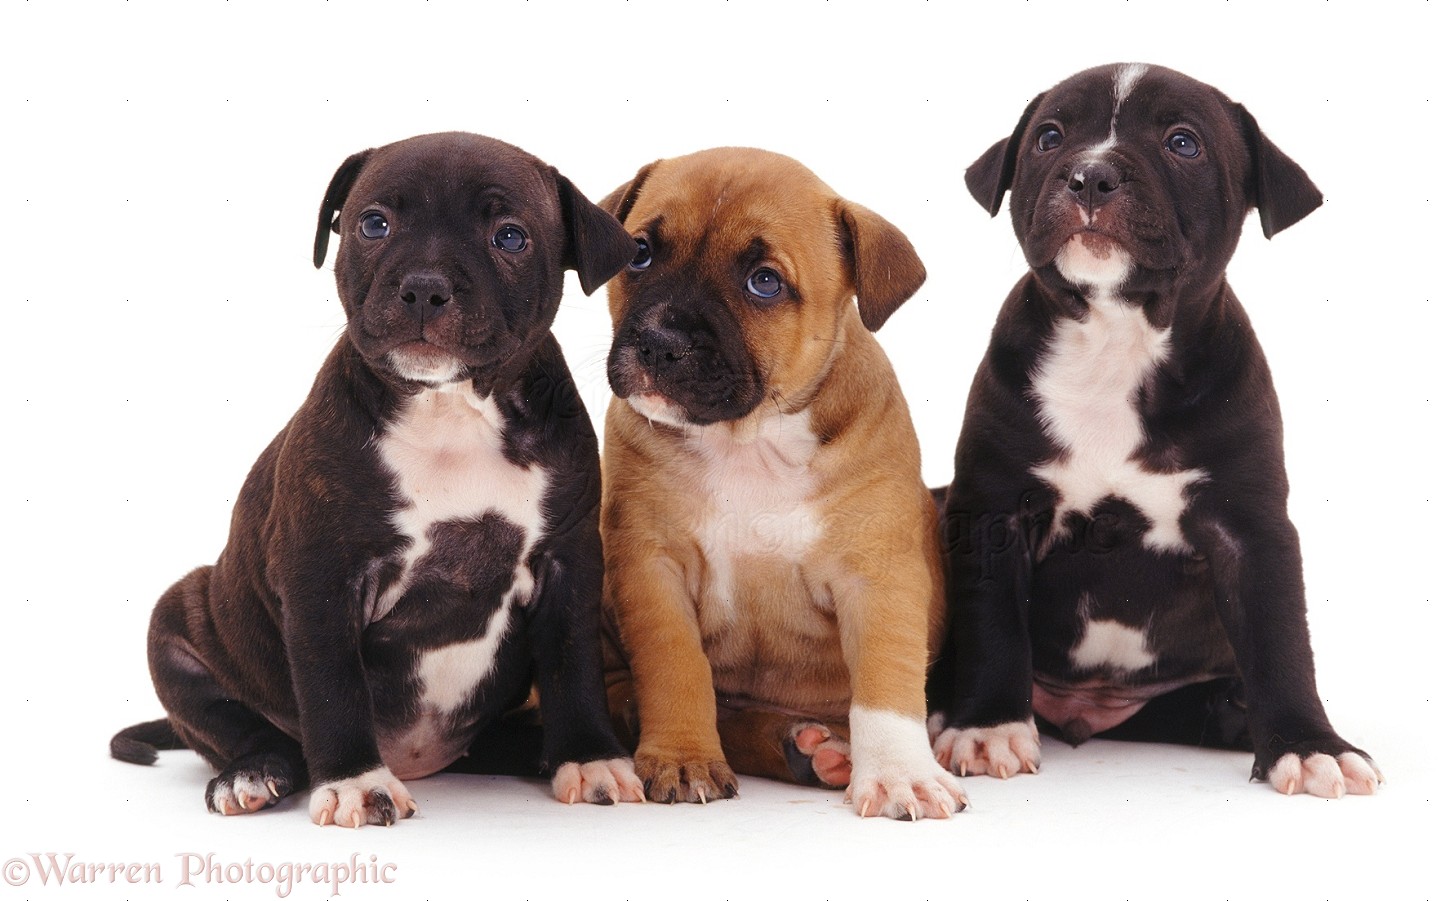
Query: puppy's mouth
x,y
1095,259
657,408
420,361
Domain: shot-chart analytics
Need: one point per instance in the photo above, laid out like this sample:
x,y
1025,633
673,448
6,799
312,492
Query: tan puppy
x,y
774,572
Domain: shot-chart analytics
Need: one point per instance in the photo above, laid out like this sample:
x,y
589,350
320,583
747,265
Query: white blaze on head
x,y
1121,87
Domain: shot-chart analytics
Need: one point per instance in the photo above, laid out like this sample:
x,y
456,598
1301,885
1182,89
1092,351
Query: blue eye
x,y
510,239
373,226
1048,139
765,283
1183,144
643,255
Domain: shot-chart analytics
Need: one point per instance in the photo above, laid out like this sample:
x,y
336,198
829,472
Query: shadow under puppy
x,y
1121,558
419,545
774,571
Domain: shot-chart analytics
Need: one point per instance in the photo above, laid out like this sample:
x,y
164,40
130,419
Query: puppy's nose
x,y
1092,183
661,348
425,294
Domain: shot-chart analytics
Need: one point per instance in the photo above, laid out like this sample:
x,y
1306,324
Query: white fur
x,y
1086,382
346,801
1002,751
1126,78
446,453
1109,643
430,369
894,768
757,478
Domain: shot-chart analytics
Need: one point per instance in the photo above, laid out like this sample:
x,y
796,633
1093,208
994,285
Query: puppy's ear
x,y
332,205
620,201
1282,192
886,269
990,176
597,247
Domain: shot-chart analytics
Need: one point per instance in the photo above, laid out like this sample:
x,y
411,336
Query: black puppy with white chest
x,y
1121,558
419,545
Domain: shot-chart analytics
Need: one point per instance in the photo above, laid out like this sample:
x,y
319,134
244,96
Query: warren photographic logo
x,y
190,868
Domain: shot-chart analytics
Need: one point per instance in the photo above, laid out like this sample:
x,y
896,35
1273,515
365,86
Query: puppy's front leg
x,y
1257,572
679,756
585,759
988,725
884,623
323,632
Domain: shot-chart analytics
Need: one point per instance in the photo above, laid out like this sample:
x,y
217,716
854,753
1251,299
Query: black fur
x,y
1227,618
269,662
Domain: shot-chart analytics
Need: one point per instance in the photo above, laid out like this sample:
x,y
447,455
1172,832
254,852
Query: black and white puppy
x,y
1121,558
419,545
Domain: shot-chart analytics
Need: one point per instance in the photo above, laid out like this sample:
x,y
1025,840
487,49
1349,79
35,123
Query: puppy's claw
x,y
863,811
1004,772
273,787
702,795
356,820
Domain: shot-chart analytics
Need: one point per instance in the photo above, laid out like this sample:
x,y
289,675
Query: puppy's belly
x,y
428,746
1113,626
773,641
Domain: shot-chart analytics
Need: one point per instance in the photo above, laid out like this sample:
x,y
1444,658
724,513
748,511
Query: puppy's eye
x,y
1049,138
765,283
643,255
373,226
510,239
1183,144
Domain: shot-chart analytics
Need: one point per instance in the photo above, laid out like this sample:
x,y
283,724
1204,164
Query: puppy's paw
x,y
250,784
894,772
375,797
670,778
1324,775
1002,750
818,757
598,781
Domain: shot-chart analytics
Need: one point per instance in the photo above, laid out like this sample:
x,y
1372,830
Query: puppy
x,y
1121,559
420,543
774,574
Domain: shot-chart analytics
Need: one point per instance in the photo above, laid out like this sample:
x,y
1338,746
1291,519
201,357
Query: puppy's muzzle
x,y
1093,184
425,294
661,350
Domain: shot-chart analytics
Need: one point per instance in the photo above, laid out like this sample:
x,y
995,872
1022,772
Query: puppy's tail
x,y
140,743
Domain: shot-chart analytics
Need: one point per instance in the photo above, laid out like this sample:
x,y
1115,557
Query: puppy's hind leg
x,y
789,748
259,763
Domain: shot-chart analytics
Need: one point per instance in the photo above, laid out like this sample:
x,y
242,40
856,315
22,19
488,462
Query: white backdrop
x,y
163,164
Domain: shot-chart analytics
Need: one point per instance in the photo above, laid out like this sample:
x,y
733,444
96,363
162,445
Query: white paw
x,y
241,793
375,797
1325,776
1002,750
894,773
599,782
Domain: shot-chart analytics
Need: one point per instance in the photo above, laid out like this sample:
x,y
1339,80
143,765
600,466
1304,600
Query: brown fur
x,y
850,619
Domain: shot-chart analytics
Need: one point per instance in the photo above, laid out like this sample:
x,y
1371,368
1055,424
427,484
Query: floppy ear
x,y
332,205
886,269
620,201
1281,190
597,247
990,176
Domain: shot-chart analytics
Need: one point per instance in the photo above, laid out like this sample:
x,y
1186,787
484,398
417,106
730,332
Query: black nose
x,y
1092,183
662,348
425,294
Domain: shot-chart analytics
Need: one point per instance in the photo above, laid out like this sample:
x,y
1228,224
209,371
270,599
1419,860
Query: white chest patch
x,y
447,455
1107,643
1086,382
758,484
